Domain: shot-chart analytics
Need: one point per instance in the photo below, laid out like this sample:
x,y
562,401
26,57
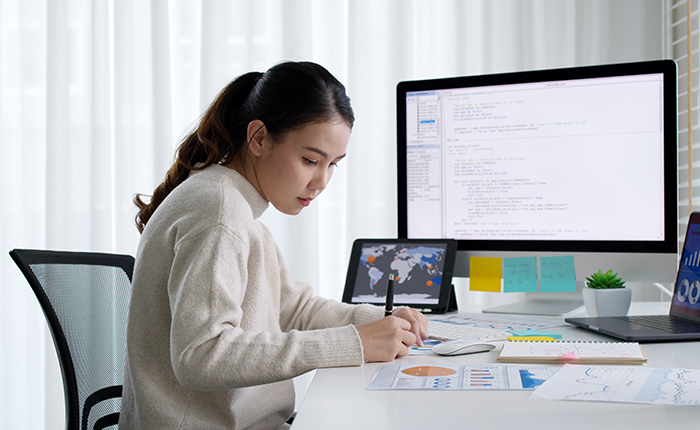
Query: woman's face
x,y
291,172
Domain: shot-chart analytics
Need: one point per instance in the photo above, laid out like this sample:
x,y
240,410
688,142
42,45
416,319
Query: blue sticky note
x,y
520,274
558,274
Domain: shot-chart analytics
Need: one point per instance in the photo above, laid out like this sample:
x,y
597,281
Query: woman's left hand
x,y
419,322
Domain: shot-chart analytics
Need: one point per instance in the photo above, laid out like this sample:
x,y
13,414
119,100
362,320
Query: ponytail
x,y
217,139
287,97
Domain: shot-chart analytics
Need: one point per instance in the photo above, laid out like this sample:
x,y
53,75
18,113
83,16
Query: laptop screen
x,y
686,298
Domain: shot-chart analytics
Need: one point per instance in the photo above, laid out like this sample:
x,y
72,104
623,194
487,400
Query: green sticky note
x,y
520,274
557,274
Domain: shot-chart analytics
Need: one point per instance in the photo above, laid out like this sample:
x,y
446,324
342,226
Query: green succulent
x,y
600,280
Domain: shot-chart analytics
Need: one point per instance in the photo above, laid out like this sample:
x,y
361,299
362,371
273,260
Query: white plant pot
x,y
611,302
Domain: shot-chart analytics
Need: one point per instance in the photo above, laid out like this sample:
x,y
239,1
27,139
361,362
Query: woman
x,y
217,326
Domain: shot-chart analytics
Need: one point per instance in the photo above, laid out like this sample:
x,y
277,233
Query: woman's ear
x,y
256,135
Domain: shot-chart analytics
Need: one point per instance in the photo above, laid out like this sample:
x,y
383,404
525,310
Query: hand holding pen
x,y
390,338
418,321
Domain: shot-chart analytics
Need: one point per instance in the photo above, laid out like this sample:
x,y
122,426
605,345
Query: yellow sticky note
x,y
485,274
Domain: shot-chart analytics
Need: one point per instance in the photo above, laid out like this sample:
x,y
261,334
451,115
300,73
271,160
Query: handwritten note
x,y
520,274
558,274
485,274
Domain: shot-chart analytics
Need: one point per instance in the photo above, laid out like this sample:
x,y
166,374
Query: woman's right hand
x,y
385,339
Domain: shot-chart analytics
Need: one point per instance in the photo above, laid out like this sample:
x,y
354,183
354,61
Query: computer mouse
x,y
462,346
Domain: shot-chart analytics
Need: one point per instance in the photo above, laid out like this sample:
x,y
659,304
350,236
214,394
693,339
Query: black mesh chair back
x,y
85,298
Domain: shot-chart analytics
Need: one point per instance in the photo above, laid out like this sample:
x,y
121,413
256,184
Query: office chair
x,y
85,298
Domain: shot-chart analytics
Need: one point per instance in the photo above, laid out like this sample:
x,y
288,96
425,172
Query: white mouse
x,y
462,346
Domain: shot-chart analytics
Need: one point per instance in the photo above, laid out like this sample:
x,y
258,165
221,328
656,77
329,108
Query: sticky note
x,y
485,274
569,356
557,274
535,333
520,274
531,339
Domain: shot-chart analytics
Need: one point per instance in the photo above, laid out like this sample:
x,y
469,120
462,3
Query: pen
x,y
389,296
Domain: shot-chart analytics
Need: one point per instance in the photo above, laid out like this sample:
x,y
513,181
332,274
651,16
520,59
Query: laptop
x,y
683,320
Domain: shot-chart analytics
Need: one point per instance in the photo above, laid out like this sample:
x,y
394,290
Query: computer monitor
x,y
577,161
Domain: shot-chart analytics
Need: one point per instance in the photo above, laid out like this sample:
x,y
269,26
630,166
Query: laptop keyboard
x,y
664,322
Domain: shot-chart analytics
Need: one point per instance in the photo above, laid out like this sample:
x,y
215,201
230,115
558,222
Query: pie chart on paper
x,y
427,371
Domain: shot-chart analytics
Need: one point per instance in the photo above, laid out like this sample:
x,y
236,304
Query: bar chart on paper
x,y
460,377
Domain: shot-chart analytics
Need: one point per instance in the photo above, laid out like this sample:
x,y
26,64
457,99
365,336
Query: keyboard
x,y
447,331
666,323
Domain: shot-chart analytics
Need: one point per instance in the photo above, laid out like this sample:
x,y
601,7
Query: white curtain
x,y
96,94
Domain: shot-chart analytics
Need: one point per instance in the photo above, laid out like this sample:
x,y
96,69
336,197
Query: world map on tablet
x,y
417,271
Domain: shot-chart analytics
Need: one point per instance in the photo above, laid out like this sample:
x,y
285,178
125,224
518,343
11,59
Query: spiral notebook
x,y
572,352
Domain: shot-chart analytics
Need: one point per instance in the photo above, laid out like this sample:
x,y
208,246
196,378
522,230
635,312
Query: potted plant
x,y
605,295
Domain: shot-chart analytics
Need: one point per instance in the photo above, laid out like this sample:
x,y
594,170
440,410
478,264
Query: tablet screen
x,y
420,270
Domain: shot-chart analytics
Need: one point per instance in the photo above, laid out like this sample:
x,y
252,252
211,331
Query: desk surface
x,y
338,399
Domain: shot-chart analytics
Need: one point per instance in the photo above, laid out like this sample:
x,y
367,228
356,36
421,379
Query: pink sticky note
x,y
569,356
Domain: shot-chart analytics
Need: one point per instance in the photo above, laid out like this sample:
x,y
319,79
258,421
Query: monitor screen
x,y
569,161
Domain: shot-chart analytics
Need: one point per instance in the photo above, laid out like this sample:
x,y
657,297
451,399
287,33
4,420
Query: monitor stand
x,y
548,304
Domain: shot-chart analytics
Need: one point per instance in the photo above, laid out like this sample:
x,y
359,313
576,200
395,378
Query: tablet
x,y
422,271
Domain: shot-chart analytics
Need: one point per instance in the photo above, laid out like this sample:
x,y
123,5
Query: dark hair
x,y
287,97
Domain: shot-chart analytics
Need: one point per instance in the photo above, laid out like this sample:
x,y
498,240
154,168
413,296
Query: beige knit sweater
x,y
217,326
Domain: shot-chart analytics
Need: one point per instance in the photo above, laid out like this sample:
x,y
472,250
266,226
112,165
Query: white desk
x,y
338,399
